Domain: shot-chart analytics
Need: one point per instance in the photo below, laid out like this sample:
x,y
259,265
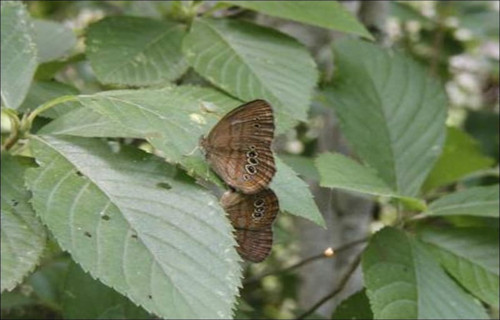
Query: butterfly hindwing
x,y
252,217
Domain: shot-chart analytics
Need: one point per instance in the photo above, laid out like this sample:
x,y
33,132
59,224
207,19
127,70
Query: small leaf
x,y
325,14
170,251
44,91
23,236
18,53
470,255
136,51
403,281
478,201
53,40
253,62
391,111
356,306
338,171
461,156
81,290
294,194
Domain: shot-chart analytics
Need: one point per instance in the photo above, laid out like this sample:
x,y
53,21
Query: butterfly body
x,y
238,148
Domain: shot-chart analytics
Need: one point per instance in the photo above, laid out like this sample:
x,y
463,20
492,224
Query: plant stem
x,y
307,260
339,288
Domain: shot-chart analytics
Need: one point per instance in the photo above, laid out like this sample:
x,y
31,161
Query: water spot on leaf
x,y
87,234
105,217
14,202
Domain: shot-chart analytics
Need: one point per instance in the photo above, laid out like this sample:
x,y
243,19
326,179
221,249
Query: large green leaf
x,y
172,120
304,166
23,236
251,62
18,53
470,255
461,156
53,40
403,281
325,14
164,243
391,111
136,51
294,194
80,290
44,91
478,201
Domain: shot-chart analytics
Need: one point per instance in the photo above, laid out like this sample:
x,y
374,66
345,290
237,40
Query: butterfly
x,y
252,217
238,148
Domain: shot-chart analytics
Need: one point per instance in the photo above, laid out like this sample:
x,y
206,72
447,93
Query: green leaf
x,y
80,290
294,194
171,119
356,306
164,243
44,91
338,171
391,112
403,281
53,40
136,51
478,201
325,14
22,236
461,156
470,255
304,166
250,62
18,53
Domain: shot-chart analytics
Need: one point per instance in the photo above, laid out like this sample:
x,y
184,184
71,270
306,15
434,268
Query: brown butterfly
x,y
238,148
252,217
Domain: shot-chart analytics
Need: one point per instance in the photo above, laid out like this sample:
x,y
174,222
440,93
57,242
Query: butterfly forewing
x,y
239,147
252,217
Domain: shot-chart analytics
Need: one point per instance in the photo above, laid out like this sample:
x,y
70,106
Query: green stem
x,y
44,107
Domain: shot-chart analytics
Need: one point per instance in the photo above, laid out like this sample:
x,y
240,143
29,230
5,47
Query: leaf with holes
x,y
325,14
253,62
403,281
470,255
164,243
18,53
136,51
478,201
23,236
391,111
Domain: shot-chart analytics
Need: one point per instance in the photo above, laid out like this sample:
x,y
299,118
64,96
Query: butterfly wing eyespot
x,y
252,216
244,133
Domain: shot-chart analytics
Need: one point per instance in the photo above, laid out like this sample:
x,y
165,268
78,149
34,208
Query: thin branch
x,y
328,253
339,288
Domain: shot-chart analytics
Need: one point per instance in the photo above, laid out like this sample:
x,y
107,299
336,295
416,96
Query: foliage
x,y
109,211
